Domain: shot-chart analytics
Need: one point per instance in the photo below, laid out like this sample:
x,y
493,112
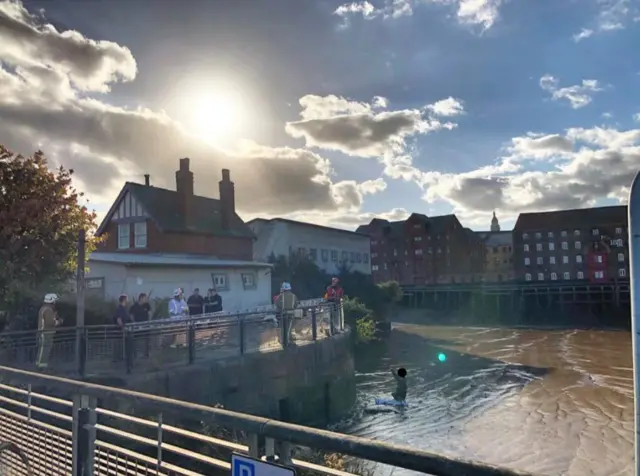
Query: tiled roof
x,y
576,218
396,228
163,206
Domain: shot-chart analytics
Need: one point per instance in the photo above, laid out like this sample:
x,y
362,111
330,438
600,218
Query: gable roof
x,y
163,207
568,219
306,224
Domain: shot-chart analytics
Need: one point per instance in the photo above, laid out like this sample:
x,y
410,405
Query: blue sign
x,y
245,466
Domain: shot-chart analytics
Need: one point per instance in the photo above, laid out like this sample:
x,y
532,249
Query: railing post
x,y
314,324
634,288
84,434
241,328
191,341
81,351
128,343
285,330
341,314
253,445
332,316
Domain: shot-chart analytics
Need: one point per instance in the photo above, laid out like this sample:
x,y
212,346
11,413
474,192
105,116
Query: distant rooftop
x,y
302,223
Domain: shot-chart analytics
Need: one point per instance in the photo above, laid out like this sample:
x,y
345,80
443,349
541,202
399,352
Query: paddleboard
x,y
391,402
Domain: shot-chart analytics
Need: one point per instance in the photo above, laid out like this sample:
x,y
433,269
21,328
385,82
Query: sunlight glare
x,y
215,115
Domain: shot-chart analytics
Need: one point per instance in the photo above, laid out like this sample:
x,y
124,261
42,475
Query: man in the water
x,y
400,377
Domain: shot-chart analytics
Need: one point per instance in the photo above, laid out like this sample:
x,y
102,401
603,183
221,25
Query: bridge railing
x,y
105,349
83,433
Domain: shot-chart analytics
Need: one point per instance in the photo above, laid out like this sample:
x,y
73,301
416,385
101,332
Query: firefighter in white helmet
x,y
177,306
48,320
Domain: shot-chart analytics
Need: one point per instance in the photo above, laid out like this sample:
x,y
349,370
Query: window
x,y
552,260
580,275
374,243
539,260
417,226
538,235
374,267
365,258
526,247
595,232
249,280
220,282
325,255
358,258
618,231
140,234
313,254
417,238
334,255
395,252
352,256
418,252
124,231
539,247
563,233
566,275
345,256
622,273
552,247
598,274
374,255
540,276
302,251
565,259
621,257
527,277
430,250
439,250
565,245
578,245
525,236
527,261
576,232
597,258
619,242
554,277
578,258
550,234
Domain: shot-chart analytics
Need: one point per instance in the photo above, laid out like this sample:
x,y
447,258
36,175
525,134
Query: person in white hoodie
x,y
178,306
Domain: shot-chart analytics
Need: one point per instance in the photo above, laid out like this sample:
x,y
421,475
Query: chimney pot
x,y
146,179
184,164
226,175
227,199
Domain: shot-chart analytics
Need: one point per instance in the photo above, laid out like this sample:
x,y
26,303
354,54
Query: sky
x,y
333,112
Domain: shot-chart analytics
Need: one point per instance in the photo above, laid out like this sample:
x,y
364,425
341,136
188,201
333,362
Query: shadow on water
x,y
443,392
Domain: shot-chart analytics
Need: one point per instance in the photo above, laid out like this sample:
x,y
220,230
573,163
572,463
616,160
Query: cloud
x,y
578,95
580,167
45,76
612,15
483,13
636,117
363,129
447,107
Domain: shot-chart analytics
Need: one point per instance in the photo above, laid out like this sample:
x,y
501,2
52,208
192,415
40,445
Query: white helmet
x,y
50,298
177,292
285,287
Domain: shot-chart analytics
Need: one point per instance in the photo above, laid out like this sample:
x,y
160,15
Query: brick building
x,y
148,219
588,244
424,250
499,253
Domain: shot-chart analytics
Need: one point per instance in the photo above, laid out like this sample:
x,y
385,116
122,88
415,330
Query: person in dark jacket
x,y
121,319
141,312
195,303
213,301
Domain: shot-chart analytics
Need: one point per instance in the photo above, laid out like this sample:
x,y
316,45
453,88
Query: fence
x,y
81,435
157,344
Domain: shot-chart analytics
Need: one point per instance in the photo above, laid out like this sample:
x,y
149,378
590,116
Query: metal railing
x,y
153,345
80,435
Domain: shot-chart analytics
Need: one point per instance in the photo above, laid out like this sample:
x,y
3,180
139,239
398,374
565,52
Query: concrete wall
x,y
162,280
317,380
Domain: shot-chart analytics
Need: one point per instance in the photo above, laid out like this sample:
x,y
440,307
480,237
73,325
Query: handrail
x,y
634,274
385,453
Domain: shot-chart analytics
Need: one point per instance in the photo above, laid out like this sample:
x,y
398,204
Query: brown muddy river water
x,y
553,402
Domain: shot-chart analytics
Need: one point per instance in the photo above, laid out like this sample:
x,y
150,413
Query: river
x,y
553,402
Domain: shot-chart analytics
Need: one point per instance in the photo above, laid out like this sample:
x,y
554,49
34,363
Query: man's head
x,y
285,287
122,300
177,293
402,372
334,281
196,291
142,298
50,298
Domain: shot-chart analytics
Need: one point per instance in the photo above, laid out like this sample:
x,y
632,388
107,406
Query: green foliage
x,y
40,219
366,330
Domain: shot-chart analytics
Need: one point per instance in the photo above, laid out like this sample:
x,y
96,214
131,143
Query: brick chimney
x,y
184,187
227,199
147,179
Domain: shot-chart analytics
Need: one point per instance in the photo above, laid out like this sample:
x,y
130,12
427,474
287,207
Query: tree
x,y
40,219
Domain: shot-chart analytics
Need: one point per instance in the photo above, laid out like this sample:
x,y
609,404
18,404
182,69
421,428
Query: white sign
x,y
245,466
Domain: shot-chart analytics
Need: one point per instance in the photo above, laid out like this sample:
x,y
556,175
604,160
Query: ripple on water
x,y
547,401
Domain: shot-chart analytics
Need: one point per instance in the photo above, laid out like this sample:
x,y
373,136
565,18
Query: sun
x,y
214,116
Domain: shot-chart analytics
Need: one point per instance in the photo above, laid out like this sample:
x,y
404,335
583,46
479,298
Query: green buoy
x,y
442,357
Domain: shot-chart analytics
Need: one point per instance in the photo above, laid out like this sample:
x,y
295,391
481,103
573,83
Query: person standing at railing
x,y
177,306
285,306
334,295
213,301
48,320
195,303
121,319
141,312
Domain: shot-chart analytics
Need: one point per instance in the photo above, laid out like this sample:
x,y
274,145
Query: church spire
x,y
495,225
